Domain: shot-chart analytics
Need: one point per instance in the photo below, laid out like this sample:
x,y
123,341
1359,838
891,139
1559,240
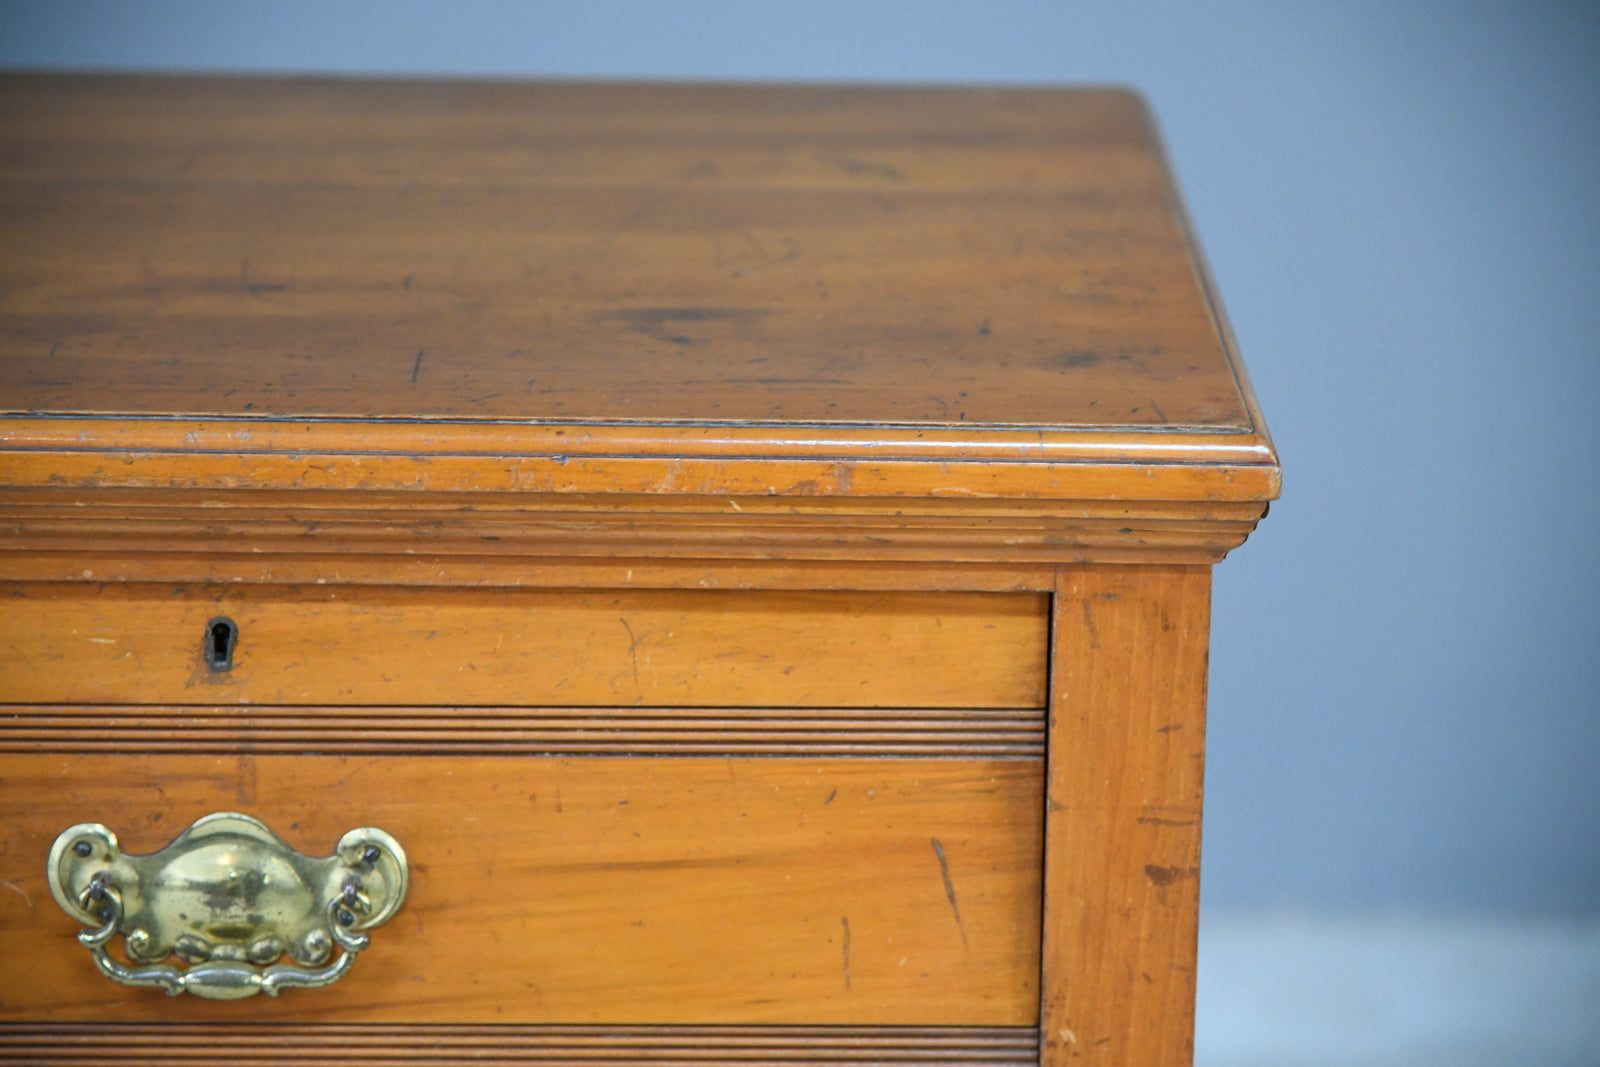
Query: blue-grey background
x,y
1401,203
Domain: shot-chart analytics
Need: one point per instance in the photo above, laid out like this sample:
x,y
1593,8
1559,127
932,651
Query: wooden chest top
x,y
679,289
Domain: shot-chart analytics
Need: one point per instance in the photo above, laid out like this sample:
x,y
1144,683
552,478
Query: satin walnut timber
x,y
747,547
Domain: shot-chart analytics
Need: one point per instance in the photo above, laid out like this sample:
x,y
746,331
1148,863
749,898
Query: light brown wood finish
x,y
527,367
524,530
609,289
590,890
1041,464
512,234
1122,859
496,572
142,644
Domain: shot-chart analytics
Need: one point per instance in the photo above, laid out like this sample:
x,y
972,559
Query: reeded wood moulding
x,y
82,1045
510,527
869,732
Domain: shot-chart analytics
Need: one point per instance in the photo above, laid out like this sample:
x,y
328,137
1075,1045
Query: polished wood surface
x,y
1060,465
588,890
458,286
1122,858
142,644
600,253
751,544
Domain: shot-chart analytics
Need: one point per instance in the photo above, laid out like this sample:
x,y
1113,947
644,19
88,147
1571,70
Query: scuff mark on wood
x,y
844,921
253,288
247,780
864,167
1071,360
653,321
1167,875
1088,622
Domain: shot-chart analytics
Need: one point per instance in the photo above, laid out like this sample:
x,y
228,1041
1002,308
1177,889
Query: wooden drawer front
x,y
313,645
588,890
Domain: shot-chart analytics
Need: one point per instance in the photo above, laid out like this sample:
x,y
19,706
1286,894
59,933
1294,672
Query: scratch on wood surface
x,y
19,889
416,368
949,888
633,656
634,217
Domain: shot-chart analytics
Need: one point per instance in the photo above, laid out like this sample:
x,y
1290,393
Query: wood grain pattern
x,y
596,890
635,289
617,486
661,253
89,1045
141,644
1122,865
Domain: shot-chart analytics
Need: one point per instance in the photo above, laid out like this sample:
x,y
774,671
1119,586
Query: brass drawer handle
x,y
230,898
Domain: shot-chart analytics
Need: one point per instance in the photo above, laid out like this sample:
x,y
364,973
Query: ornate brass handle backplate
x,y
230,898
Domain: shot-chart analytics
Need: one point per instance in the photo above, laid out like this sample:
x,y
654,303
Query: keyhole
x,y
221,635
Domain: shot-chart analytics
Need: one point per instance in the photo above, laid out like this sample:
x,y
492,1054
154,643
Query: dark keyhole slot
x,y
221,636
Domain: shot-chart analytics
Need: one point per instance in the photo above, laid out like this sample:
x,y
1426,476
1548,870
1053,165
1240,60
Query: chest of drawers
x,y
747,549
